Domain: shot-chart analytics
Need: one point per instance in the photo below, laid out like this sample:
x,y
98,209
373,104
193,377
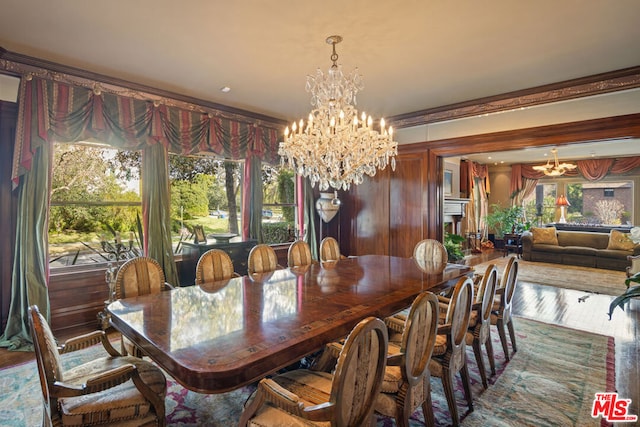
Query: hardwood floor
x,y
551,305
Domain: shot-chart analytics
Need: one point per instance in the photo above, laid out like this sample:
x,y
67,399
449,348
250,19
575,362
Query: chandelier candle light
x,y
556,168
335,148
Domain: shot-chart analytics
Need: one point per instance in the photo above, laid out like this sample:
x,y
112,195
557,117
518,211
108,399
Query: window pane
x,y
95,199
609,203
540,205
279,204
205,191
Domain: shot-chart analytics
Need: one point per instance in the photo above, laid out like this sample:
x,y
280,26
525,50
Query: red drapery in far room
x,y
590,169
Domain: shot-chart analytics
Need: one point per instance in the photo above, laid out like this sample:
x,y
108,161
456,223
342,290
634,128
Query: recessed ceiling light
x,y
225,89
489,157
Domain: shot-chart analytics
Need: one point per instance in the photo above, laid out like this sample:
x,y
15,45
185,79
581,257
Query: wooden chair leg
x,y
403,407
503,337
512,334
492,360
464,373
447,385
427,405
477,352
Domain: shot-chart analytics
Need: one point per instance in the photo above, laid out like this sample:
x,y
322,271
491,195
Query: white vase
x,y
327,206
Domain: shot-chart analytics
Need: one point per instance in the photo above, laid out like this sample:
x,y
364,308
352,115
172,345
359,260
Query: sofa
x,y
581,248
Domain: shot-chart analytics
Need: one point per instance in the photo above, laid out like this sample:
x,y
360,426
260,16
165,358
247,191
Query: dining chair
x,y
430,251
449,354
407,379
479,331
344,397
214,265
330,250
501,315
109,390
262,259
299,254
138,276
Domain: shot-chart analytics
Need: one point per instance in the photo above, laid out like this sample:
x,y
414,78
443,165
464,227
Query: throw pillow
x,y
545,235
620,241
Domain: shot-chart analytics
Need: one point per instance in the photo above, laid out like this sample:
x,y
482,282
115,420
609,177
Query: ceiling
x,y
413,55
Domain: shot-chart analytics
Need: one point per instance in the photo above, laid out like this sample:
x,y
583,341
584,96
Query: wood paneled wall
x,y
392,211
8,204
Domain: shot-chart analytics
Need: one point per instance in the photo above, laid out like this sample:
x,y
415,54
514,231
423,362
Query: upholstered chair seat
x,y
117,404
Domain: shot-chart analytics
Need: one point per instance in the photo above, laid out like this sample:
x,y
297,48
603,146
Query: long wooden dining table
x,y
219,336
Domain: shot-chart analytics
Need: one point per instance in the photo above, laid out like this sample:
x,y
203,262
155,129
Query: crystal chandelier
x,y
336,148
556,168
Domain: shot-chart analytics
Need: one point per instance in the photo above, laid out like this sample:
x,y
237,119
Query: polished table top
x,y
219,336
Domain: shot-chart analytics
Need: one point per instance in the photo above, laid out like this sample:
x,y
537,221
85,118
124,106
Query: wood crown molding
x,y
613,81
601,129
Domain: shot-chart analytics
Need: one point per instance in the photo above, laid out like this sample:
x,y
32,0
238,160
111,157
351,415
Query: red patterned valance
x,y
55,111
590,169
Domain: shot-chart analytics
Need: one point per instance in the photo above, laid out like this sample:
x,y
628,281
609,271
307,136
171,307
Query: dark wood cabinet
x,y
238,251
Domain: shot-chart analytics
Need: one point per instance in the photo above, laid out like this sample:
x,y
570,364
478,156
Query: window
x,y
608,192
205,191
95,204
279,205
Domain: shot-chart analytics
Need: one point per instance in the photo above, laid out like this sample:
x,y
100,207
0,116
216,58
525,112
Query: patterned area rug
x,y
550,381
565,276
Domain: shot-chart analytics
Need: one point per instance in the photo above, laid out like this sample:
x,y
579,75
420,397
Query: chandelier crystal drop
x,y
336,147
556,168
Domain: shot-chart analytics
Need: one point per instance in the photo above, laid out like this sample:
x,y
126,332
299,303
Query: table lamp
x,y
562,202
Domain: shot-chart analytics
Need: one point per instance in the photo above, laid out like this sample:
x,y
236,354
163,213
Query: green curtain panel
x,y
252,199
310,218
30,266
156,208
